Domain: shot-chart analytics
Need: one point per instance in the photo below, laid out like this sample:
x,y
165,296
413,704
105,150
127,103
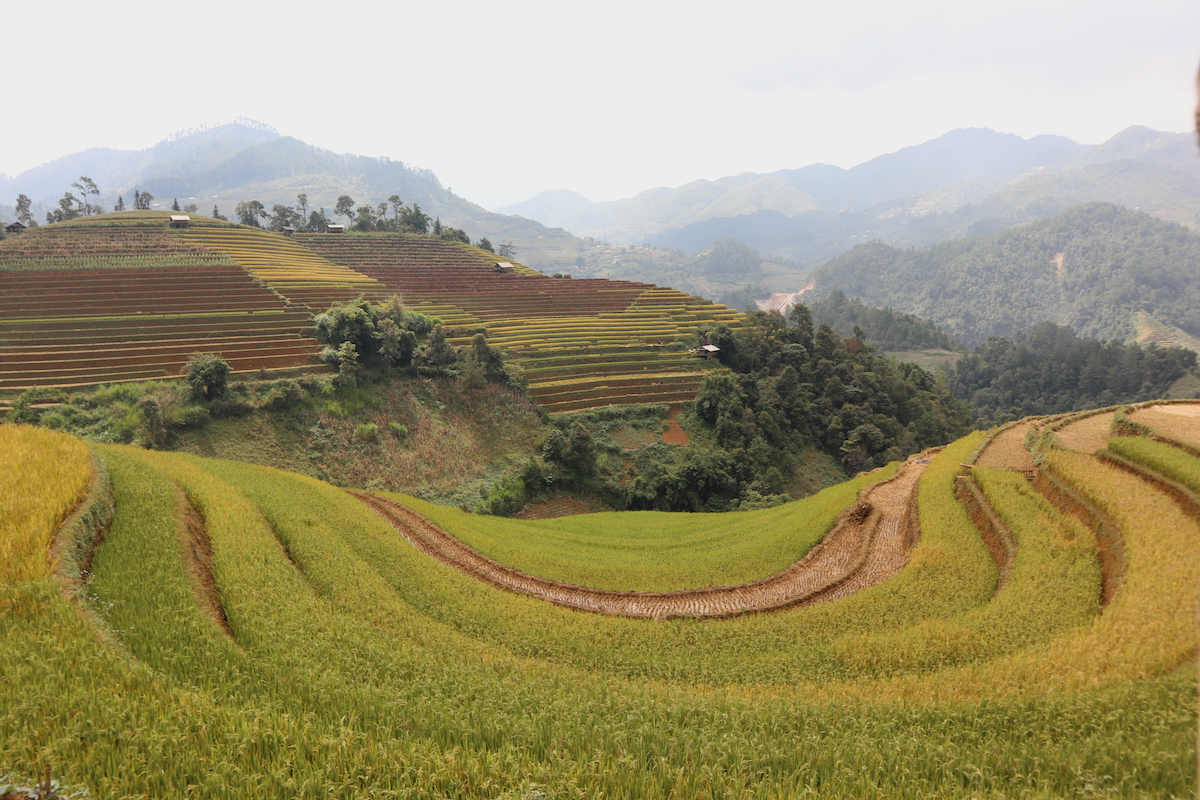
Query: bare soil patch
x,y
868,544
675,434
550,509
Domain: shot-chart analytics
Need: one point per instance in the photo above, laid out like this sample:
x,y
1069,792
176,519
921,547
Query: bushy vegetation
x,y
1051,370
881,327
1091,268
794,386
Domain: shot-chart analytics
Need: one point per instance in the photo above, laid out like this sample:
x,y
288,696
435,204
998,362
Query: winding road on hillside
x,y
868,544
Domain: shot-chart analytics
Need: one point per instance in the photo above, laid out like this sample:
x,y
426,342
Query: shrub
x,y
190,417
207,376
367,432
282,395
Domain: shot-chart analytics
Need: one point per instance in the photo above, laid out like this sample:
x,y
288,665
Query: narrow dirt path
x,y
868,544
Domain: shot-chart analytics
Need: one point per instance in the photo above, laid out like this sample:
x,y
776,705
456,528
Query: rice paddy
x,y
245,631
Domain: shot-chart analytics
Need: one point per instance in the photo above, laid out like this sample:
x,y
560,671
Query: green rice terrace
x,y
121,297
1013,615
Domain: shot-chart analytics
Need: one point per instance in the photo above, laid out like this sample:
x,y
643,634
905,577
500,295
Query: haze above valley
x,y
503,102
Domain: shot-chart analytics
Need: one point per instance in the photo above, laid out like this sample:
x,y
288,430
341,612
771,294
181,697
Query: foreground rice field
x,y
243,632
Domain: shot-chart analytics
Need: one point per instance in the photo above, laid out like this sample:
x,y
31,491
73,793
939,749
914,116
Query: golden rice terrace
x,y
1008,617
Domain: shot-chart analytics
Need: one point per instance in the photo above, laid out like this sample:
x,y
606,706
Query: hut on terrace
x,y
335,228
503,267
708,351
14,227
180,220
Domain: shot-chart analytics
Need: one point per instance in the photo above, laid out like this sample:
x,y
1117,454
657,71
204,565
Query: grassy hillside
x,y
241,629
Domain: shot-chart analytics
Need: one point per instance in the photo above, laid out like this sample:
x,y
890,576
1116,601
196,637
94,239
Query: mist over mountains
x,y
228,164
967,182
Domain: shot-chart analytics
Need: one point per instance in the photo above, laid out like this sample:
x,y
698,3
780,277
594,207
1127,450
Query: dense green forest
x,y
1049,370
1092,268
882,327
795,387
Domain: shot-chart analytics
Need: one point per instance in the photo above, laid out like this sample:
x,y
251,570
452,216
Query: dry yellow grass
x,y
1087,435
45,475
1179,421
1007,450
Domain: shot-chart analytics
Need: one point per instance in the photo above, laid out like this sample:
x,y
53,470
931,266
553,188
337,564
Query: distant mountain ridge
x,y
958,156
967,182
227,164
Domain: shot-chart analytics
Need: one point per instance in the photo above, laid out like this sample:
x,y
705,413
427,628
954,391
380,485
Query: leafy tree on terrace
x,y
175,204
249,212
507,250
191,208
345,207
284,217
454,235
302,202
396,204
68,209
217,213
24,215
414,220
365,220
120,206
142,200
382,335
485,244
86,187
207,376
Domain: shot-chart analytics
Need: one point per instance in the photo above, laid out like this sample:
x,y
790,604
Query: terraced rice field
x,y
146,297
242,630
868,544
65,327
1007,449
583,343
1088,433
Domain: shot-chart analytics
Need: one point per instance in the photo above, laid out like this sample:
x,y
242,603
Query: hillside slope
x,y
1094,269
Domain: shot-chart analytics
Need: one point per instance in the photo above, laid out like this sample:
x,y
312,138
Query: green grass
x,y
655,551
1170,462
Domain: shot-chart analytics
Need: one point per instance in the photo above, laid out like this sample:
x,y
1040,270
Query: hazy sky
x,y
502,100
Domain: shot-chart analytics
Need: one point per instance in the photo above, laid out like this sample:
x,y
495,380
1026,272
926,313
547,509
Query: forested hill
x,y
881,327
1092,269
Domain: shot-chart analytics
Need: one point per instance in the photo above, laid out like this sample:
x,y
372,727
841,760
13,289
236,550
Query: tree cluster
x,y
1090,268
884,328
1051,370
792,388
